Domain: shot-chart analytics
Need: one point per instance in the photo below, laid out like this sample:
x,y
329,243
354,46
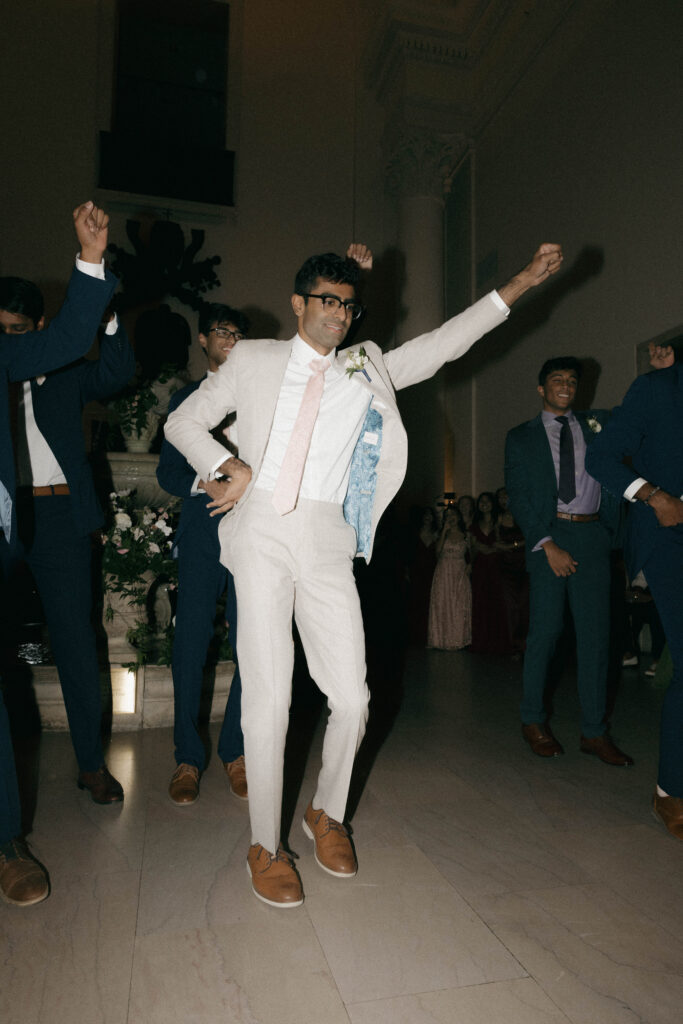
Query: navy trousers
x,y
10,809
61,562
588,592
201,582
664,574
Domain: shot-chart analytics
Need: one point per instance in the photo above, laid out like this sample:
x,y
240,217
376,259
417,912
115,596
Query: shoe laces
x,y
327,824
185,769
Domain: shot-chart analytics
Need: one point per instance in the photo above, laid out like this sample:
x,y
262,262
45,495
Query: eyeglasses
x,y
225,332
331,303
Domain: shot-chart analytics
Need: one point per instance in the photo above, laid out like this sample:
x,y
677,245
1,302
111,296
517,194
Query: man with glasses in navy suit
x,y
202,580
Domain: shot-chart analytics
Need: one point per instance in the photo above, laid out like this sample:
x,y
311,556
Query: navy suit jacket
x,y
532,484
176,475
648,428
58,404
66,338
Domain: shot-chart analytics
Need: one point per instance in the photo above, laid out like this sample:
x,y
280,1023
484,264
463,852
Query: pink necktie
x,y
292,468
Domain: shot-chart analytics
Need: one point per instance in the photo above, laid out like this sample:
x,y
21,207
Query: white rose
x,y
123,521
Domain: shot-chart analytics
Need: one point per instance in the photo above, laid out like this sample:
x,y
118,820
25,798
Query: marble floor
x,y
493,887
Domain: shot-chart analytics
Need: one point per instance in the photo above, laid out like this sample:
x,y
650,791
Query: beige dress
x,y
450,606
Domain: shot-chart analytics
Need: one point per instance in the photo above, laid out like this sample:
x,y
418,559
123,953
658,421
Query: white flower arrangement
x,y
355,363
593,424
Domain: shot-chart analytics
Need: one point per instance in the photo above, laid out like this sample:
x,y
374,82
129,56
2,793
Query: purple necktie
x,y
567,487
292,469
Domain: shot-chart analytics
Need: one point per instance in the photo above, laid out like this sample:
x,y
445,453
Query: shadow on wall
x,y
381,296
534,310
263,324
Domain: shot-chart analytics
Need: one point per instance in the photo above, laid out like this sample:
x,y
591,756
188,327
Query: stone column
x,y
419,171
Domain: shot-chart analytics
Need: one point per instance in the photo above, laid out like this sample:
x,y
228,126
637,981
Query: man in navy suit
x,y
648,429
568,526
22,880
201,582
58,511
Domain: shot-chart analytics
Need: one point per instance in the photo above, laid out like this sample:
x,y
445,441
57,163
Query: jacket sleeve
x,y
188,427
174,472
620,438
419,359
68,336
519,488
100,378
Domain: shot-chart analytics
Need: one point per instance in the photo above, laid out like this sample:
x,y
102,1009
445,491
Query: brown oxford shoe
x,y
603,748
669,810
274,879
237,777
184,785
541,740
103,787
22,879
333,849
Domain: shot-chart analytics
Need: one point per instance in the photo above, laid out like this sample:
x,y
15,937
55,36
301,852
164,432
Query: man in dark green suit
x,y
568,524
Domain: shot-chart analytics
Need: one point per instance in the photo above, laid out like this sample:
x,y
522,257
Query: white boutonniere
x,y
593,424
355,362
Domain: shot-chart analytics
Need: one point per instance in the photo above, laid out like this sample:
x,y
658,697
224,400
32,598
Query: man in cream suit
x,y
300,513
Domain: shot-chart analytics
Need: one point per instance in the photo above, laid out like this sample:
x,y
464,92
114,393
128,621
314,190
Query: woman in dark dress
x,y
489,619
514,578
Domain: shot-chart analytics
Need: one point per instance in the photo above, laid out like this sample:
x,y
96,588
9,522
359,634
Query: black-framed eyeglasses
x,y
332,303
225,332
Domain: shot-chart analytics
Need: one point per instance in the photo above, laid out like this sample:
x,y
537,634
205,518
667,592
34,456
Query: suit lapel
x,y
541,449
266,391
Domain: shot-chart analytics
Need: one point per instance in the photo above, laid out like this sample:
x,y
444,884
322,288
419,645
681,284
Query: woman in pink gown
x,y
450,606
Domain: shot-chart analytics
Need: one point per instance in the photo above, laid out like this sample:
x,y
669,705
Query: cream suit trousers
x,y
299,564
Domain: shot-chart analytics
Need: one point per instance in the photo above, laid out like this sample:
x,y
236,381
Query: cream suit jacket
x,y
248,383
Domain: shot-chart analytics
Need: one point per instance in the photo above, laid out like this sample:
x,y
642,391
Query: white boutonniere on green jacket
x,y
593,424
355,362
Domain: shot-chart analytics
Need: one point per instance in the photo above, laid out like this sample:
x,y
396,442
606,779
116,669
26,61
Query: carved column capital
x,y
422,163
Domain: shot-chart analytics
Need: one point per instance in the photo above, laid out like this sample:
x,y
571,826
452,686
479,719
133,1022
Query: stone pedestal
x,y
138,470
153,698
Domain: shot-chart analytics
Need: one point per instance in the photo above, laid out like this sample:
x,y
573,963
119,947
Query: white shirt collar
x,y
303,353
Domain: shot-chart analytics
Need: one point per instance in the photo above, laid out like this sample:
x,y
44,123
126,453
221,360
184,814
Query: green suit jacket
x,y
532,484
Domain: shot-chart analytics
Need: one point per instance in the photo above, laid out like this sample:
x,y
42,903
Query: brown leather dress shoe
x,y
22,880
237,777
184,785
669,810
333,848
104,789
541,740
274,879
603,748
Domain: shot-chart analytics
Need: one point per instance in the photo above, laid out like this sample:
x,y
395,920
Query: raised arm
x,y
545,262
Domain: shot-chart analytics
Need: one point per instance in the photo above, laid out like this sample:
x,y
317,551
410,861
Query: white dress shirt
x,y
45,470
343,407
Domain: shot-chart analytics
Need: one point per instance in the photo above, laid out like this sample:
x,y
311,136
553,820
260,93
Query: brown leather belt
x,y
44,492
578,517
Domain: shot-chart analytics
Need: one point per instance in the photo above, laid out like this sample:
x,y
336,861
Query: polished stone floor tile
x,y
435,939
595,955
503,1002
493,887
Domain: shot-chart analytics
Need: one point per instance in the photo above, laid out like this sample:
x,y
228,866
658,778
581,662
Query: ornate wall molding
x,y
421,162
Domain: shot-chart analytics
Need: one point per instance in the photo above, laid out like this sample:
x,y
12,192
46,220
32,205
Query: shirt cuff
x,y
633,488
91,269
502,306
196,489
113,325
217,466
541,543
